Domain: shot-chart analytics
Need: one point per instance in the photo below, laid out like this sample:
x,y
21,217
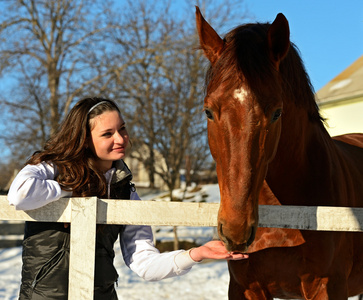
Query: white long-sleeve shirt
x,y
34,187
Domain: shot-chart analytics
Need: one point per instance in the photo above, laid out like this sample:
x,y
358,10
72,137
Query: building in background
x,y
139,172
341,101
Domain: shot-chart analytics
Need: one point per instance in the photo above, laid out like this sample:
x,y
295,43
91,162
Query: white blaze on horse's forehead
x,y
240,94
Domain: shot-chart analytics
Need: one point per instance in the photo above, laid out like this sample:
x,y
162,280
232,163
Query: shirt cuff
x,y
183,260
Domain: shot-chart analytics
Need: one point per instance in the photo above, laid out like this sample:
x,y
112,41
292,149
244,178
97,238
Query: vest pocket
x,y
50,265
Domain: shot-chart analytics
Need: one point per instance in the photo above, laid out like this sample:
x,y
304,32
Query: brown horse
x,y
271,147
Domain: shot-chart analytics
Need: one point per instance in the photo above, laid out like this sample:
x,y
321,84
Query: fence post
x,y
82,248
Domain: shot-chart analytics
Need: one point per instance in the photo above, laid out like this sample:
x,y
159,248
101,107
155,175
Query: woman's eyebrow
x,y
105,130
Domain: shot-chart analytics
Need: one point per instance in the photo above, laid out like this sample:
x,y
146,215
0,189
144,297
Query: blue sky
x,y
329,34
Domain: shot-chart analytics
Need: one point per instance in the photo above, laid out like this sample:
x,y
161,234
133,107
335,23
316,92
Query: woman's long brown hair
x,y
68,149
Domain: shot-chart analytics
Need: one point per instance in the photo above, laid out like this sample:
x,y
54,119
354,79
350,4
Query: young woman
x,y
84,158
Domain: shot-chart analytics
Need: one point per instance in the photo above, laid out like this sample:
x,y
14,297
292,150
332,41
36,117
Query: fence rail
x,y
85,213
11,233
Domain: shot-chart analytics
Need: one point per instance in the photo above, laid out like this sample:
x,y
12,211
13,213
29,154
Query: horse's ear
x,y
209,40
279,39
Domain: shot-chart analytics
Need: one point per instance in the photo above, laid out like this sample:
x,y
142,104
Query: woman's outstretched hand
x,y
214,250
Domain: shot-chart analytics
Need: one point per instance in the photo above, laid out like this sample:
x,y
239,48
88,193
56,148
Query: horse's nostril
x,y
252,236
220,229
221,234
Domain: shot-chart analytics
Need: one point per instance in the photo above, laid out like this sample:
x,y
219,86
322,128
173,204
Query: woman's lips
x,y
118,149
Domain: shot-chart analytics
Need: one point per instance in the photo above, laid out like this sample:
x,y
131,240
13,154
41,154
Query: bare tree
x,y
55,51
162,90
46,54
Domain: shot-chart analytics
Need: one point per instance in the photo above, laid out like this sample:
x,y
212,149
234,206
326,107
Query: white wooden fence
x,y
85,213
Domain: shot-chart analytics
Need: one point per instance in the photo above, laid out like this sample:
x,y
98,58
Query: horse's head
x,y
243,105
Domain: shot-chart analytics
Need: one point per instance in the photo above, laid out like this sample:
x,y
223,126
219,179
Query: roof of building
x,y
347,85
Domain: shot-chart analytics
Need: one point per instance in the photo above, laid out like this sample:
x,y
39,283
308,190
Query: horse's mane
x,y
246,59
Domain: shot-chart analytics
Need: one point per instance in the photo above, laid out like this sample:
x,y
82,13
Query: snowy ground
x,y
206,281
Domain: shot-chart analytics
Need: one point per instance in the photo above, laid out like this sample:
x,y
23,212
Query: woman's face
x,y
109,138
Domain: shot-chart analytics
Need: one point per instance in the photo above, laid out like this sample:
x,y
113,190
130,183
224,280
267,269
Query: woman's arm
x,y
143,258
34,187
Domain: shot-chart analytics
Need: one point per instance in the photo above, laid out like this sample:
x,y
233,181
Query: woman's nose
x,y
122,137
119,138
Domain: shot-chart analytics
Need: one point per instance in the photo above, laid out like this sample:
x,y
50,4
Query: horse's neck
x,y
303,155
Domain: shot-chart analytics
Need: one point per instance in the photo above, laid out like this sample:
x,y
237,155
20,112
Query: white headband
x,y
94,106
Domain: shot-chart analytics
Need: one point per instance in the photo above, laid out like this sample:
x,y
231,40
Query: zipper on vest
x,y
108,176
50,265
34,283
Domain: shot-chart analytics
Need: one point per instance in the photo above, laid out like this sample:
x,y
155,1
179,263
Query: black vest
x,y
46,256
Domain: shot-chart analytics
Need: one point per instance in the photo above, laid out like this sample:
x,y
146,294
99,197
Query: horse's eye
x,y
208,113
276,115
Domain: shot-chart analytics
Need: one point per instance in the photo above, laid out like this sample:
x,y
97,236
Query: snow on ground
x,y
206,281
10,269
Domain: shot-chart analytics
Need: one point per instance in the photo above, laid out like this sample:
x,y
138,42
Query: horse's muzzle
x,y
233,246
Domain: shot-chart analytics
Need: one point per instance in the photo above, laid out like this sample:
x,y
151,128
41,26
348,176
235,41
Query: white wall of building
x,y
341,119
